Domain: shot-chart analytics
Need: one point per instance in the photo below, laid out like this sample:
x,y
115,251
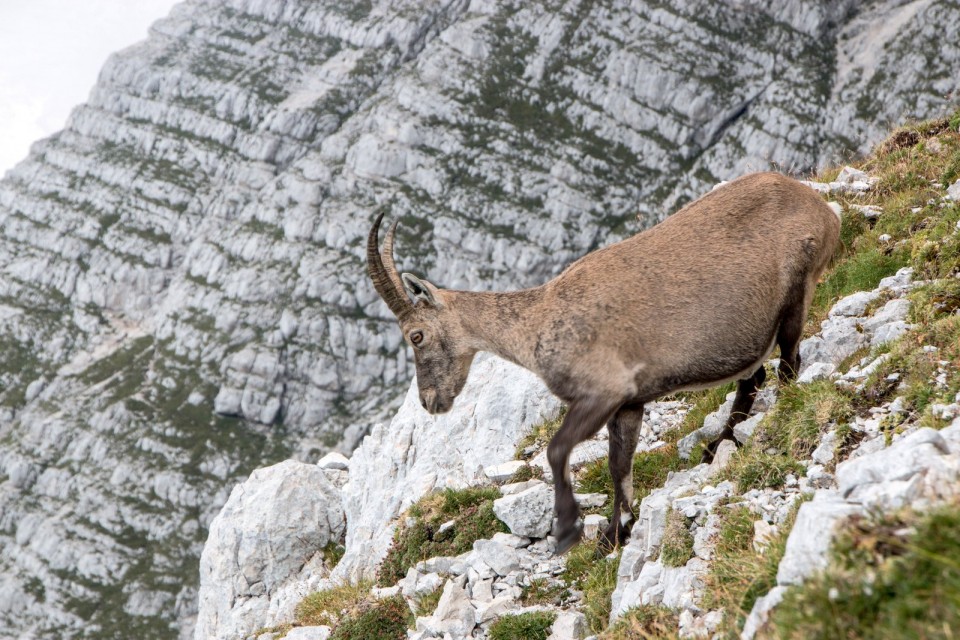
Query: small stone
x,y
953,192
869,211
725,452
334,460
849,175
743,431
511,540
763,535
885,237
593,524
528,513
568,625
385,592
428,584
824,453
897,405
590,500
500,605
497,556
504,470
817,371
517,487
446,526
321,632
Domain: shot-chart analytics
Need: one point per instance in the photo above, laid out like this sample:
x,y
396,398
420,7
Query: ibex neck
x,y
502,323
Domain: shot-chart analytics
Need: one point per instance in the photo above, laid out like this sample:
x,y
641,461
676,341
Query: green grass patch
x,y
802,414
597,585
386,619
862,271
898,577
677,545
471,511
751,468
427,603
529,472
596,578
650,469
644,623
534,625
543,591
738,574
329,606
541,434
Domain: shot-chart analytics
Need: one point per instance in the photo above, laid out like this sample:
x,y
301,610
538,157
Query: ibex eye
x,y
416,337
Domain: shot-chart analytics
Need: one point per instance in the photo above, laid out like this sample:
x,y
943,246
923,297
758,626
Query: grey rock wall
x,y
182,294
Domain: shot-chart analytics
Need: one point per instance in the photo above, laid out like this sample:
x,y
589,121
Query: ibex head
x,y
441,349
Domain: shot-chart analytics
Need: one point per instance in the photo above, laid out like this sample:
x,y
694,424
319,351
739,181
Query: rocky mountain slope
x,y
182,296
853,456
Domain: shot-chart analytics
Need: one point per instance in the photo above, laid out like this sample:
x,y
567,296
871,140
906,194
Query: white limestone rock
x,y
568,625
269,529
500,557
454,615
811,535
953,191
853,305
334,460
321,632
417,453
504,470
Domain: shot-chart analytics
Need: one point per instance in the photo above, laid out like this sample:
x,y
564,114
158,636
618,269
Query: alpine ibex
x,y
700,299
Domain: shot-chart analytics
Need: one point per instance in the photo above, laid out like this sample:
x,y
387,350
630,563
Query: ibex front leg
x,y
583,419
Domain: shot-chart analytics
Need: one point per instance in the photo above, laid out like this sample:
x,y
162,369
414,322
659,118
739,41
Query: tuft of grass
x,y
677,545
333,553
887,580
534,625
328,607
471,509
597,585
650,469
751,468
802,414
528,472
427,603
541,434
861,271
542,591
739,575
704,403
595,578
386,619
647,622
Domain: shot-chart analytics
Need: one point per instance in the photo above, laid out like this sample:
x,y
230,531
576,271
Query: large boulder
x,y
269,532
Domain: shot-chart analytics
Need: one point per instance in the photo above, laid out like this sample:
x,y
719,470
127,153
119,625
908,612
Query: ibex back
x,y
700,299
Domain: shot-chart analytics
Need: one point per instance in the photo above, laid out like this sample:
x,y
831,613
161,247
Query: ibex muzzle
x,y
701,298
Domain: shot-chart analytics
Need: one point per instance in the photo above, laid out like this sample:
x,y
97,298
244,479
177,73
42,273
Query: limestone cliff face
x,y
182,291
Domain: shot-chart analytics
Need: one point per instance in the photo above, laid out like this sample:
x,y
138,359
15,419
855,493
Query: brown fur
x,y
699,299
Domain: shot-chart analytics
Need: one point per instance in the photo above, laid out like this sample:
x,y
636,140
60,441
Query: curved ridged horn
x,y
386,257
386,281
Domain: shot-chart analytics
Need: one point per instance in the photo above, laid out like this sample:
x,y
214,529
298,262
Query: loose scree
x,y
698,300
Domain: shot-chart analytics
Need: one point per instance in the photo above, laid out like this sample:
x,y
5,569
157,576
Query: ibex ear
x,y
420,289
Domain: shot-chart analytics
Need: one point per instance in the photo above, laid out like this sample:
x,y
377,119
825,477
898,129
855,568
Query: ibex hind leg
x,y
624,430
742,403
583,419
788,338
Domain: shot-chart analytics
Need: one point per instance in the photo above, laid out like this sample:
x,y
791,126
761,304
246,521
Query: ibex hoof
x,y
568,538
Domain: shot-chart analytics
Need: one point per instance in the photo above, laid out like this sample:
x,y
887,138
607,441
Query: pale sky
x,y
50,54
